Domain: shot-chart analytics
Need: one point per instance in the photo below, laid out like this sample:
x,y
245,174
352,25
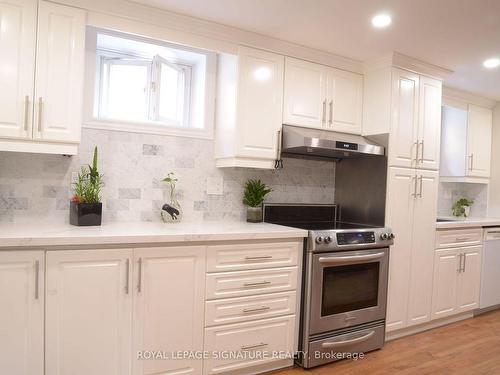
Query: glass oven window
x,y
350,287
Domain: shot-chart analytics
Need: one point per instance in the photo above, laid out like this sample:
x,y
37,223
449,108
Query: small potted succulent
x,y
253,196
86,205
461,208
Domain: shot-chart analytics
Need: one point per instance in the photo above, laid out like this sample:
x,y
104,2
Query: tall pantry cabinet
x,y
405,103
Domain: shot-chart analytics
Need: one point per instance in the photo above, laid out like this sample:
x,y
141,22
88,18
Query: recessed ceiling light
x,y
381,20
491,63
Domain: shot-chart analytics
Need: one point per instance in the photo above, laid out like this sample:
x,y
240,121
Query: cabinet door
x,y
344,105
17,62
404,126
305,93
445,281
422,251
454,141
59,73
469,279
88,312
21,314
479,141
260,102
400,206
429,123
169,307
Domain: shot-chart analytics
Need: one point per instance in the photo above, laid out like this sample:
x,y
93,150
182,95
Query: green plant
x,y
89,183
255,192
171,180
459,206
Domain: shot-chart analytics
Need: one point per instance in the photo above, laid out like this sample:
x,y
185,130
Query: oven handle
x,y
351,259
336,344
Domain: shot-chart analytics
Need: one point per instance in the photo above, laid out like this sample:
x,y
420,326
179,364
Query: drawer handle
x,y
462,239
257,309
336,344
251,347
260,257
261,283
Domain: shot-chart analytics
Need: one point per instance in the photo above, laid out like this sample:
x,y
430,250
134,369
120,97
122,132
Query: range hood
x,y
315,143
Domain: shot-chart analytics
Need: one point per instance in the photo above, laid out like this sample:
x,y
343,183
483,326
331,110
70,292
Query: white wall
x,y
494,196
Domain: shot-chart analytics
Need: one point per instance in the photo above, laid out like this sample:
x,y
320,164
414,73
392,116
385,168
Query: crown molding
x,y
398,60
451,95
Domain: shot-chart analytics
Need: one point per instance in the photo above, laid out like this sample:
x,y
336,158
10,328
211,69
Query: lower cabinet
x,y
88,312
456,281
21,312
169,292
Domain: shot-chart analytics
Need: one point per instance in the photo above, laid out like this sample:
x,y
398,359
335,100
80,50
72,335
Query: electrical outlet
x,y
215,185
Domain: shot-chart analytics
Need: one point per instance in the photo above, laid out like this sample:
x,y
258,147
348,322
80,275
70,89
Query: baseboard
x,y
265,368
427,326
486,310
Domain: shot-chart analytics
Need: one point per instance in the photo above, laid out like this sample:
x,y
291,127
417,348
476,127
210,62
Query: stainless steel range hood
x,y
315,143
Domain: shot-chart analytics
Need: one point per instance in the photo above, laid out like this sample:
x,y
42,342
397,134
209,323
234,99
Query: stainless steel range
x,y
344,282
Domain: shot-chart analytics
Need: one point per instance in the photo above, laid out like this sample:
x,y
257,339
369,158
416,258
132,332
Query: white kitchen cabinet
x,y
21,313
41,110
17,43
59,73
406,106
466,143
88,312
249,108
169,302
322,97
411,213
456,281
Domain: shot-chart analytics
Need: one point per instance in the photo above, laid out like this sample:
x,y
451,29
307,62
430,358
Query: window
x,y
150,85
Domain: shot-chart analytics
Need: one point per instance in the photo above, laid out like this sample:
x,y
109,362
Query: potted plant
x,y
461,208
86,206
171,212
253,196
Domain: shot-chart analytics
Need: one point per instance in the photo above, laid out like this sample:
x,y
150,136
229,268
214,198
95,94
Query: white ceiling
x,y
455,34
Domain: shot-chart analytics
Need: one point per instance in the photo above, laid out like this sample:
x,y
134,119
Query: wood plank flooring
x,y
469,347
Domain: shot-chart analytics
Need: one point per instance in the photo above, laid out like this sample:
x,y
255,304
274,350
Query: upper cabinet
x,y
249,108
406,105
40,109
466,142
322,97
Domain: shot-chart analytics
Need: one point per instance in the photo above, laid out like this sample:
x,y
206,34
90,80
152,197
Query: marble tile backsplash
x,y
450,192
35,187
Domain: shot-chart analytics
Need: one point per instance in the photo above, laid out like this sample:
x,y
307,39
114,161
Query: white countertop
x,y
33,235
456,223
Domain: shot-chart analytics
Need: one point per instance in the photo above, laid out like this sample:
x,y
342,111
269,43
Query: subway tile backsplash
x,y
35,187
450,192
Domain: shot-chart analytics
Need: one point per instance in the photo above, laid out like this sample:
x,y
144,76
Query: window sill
x,y
148,128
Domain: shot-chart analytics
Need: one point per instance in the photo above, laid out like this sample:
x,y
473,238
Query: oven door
x,y
347,288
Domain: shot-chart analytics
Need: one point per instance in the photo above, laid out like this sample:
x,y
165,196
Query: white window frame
x,y
93,121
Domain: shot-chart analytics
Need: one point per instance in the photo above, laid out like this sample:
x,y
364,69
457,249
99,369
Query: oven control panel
x,y
355,238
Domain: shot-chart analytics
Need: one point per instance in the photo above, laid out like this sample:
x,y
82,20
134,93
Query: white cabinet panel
x,y
59,73
469,280
429,123
444,296
345,99
422,253
479,141
88,312
17,62
21,313
454,141
169,307
305,93
399,216
404,129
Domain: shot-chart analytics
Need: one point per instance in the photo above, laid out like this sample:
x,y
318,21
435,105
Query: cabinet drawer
x,y
459,237
249,344
252,256
247,283
244,309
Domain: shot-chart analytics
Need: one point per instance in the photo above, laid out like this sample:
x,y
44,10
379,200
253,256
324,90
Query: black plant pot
x,y
85,214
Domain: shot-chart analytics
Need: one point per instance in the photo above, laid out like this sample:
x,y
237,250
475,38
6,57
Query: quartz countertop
x,y
14,235
455,223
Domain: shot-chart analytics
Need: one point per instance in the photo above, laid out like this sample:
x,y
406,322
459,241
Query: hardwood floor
x,y
469,347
